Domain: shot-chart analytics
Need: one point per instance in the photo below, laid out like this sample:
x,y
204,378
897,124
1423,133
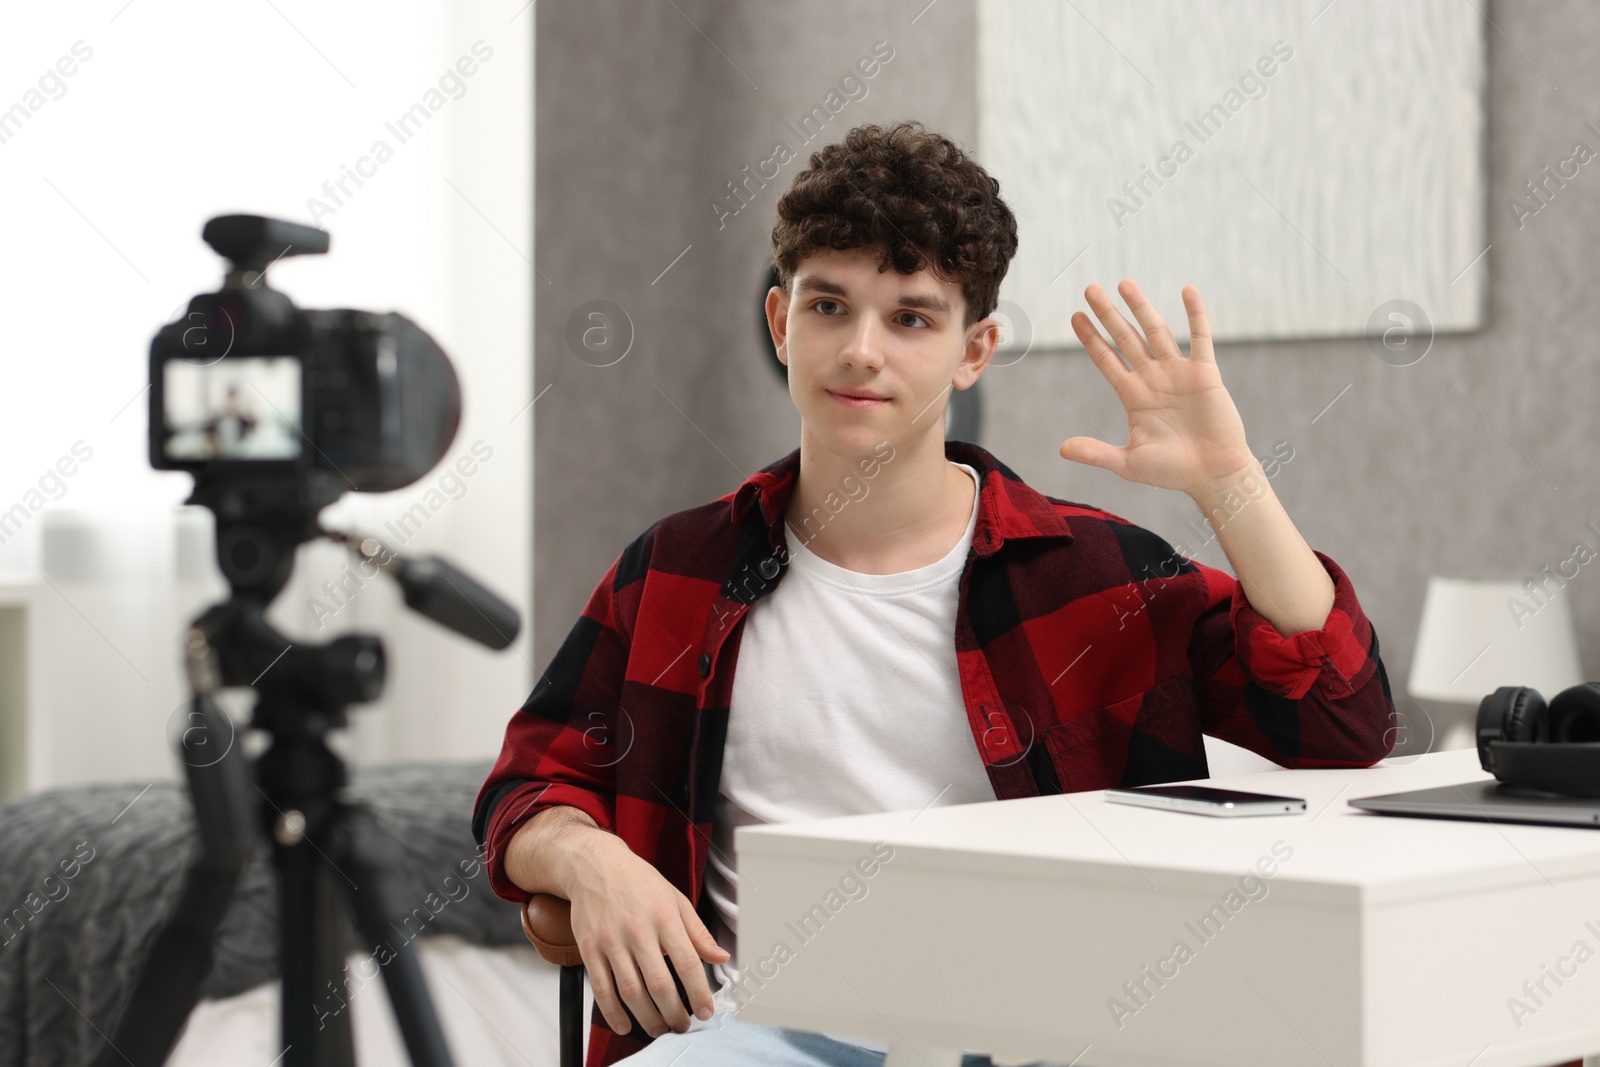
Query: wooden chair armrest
x,y
547,920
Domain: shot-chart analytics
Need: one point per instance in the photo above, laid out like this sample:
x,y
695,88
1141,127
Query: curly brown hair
x,y
913,195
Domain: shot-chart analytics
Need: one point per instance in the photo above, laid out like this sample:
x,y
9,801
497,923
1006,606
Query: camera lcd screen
x,y
239,407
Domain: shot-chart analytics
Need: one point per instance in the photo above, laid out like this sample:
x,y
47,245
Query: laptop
x,y
1487,801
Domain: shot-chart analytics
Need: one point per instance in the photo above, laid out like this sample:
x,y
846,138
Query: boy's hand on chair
x,y
628,921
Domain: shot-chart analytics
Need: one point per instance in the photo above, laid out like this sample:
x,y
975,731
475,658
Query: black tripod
x,y
323,846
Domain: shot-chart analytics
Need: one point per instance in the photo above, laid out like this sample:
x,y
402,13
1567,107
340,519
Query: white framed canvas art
x,y
1306,165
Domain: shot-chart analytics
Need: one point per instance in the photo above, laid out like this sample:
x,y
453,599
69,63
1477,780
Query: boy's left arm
x,y
1306,667
1286,661
1281,575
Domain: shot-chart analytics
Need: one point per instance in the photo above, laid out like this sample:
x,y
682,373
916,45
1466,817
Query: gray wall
x,y
641,121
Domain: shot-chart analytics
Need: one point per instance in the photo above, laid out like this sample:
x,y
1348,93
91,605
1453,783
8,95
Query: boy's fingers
x,y
663,997
604,995
636,993
686,961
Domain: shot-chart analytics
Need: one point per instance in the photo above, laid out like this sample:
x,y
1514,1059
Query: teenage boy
x,y
911,623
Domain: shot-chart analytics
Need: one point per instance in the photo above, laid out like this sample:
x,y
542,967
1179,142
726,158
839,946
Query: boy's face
x,y
845,328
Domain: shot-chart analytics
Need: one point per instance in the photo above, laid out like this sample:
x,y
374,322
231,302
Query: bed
x,y
89,871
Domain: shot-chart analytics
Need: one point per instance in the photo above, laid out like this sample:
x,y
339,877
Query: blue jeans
x,y
725,1041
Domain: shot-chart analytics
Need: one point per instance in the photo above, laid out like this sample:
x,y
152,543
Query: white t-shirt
x,y
846,701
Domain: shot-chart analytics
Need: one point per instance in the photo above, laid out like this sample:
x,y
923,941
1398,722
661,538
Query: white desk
x,y
1007,927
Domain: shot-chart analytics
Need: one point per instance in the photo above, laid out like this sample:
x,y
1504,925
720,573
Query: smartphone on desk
x,y
1207,800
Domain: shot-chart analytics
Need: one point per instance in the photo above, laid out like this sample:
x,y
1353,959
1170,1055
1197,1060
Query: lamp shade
x,y
1478,634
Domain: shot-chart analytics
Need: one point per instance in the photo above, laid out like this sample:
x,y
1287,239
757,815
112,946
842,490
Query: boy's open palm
x,y
1184,431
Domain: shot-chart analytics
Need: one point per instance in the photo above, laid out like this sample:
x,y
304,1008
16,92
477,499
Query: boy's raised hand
x,y
1184,431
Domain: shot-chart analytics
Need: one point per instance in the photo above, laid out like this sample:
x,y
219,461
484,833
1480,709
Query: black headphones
x,y
1555,747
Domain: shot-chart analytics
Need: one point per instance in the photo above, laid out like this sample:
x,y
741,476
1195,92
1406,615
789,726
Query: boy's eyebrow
x,y
811,283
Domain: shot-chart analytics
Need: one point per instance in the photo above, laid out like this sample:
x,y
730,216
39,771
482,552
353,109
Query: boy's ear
x,y
778,322
983,339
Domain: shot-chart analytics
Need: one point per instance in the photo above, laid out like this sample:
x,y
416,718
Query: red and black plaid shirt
x,y
1091,655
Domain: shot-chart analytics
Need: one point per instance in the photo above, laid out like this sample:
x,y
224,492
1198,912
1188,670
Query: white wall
x,y
184,111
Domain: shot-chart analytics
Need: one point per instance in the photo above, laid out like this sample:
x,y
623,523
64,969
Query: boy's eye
x,y
822,305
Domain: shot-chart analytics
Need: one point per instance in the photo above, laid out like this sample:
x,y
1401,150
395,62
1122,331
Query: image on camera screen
x,y
242,407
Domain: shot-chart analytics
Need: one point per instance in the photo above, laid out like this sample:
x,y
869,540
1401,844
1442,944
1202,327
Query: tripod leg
x,y
314,1026
171,973
373,857
180,957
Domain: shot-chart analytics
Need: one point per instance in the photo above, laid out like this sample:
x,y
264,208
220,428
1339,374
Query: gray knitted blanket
x,y
88,873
